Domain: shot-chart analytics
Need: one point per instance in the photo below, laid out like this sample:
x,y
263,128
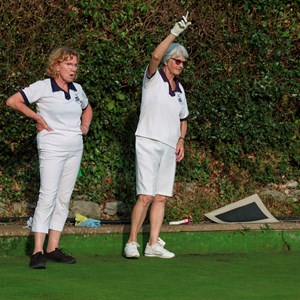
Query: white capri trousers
x,y
58,174
155,167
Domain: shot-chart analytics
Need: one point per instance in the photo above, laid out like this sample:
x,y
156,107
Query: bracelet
x,y
181,138
85,126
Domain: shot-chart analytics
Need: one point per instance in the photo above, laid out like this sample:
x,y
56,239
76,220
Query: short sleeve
x,y
35,91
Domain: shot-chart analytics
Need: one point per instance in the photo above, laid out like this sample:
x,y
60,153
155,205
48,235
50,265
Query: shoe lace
x,y
64,252
39,255
137,244
134,244
161,242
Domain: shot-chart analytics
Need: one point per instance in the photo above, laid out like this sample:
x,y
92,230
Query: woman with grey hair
x,y
159,141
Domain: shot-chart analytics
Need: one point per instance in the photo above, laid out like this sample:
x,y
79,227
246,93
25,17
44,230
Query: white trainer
x,y
131,250
158,250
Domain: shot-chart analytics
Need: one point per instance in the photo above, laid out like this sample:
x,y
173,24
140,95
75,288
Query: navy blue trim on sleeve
x,y
151,75
185,119
24,97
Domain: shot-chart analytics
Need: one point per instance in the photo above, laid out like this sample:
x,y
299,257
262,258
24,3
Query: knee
x,y
145,200
160,199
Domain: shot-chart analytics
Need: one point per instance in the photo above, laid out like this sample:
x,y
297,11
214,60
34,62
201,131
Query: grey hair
x,y
174,50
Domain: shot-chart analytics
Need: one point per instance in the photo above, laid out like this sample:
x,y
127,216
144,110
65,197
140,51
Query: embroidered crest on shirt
x,y
77,99
179,99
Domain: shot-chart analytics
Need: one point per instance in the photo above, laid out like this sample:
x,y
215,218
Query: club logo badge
x,y
77,99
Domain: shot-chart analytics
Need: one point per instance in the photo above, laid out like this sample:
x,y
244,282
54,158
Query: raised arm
x,y
158,53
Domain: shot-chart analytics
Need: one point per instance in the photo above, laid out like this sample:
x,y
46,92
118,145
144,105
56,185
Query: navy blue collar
x,y
56,88
165,79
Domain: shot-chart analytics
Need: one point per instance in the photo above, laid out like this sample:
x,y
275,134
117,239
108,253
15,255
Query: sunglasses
x,y
179,62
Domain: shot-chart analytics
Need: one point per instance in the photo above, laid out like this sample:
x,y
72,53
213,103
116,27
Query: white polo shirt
x,y
161,109
62,112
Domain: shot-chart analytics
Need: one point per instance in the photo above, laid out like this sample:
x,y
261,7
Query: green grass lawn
x,y
187,277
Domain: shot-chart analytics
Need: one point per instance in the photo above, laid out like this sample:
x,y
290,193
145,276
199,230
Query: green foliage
x,y
241,84
250,76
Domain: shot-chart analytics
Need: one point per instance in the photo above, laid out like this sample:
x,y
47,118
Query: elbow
x,y
15,101
9,102
155,57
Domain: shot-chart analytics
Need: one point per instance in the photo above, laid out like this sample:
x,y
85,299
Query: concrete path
x,y
20,230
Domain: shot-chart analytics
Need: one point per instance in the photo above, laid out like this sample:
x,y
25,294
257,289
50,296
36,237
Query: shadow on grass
x,y
29,245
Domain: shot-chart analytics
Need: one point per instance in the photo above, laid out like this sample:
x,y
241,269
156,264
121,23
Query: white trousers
x,y
58,174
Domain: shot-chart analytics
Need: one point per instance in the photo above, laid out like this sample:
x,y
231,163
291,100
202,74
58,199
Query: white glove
x,y
181,25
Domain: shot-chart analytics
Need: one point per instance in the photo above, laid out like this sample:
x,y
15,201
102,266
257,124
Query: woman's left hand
x,y
180,150
84,129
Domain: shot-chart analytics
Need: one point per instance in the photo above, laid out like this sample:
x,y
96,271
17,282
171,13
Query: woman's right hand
x,y
181,25
42,125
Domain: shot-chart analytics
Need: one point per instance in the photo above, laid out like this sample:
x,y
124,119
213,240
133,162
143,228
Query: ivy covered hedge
x,y
241,81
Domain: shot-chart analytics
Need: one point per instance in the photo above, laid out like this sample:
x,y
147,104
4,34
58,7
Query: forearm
x,y
158,54
162,47
87,116
183,128
176,30
17,103
180,143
